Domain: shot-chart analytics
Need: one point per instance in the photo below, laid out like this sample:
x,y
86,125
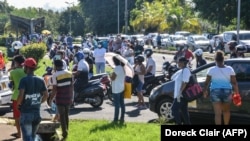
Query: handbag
x,y
192,91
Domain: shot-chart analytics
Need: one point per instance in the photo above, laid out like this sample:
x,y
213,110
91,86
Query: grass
x,y
103,130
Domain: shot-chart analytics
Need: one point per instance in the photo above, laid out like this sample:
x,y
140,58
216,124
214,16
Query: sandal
x,y
16,135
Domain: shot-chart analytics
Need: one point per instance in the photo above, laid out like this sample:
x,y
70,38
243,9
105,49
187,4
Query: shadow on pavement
x,y
133,113
77,110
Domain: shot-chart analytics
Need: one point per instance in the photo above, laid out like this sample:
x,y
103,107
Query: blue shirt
x,y
33,87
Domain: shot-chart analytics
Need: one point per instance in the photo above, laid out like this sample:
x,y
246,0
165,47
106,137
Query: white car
x,y
175,41
244,38
198,41
5,91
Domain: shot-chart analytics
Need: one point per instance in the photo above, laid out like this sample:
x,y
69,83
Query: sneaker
x,y
137,105
142,107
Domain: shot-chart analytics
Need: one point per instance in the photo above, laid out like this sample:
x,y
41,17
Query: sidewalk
x,y
7,128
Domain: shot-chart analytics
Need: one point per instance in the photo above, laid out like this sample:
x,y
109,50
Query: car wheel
x,y
164,109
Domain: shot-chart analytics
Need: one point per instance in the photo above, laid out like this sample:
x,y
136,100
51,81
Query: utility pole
x,y
126,16
118,18
69,3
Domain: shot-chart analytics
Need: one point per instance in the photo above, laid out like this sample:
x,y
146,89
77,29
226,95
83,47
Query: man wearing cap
x,y
63,93
32,92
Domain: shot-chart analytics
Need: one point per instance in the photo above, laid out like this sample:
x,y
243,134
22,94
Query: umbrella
x,y
46,32
17,44
129,71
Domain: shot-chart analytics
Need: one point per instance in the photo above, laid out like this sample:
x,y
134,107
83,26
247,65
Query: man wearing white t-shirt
x,y
99,54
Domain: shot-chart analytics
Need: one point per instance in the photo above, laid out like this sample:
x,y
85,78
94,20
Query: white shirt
x,y
99,54
118,83
82,65
180,76
151,62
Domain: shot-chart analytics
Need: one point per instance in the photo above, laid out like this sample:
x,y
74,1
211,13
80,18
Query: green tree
x,y
223,12
101,16
77,21
165,16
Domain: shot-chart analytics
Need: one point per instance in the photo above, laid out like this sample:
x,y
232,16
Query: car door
x,y
242,72
202,104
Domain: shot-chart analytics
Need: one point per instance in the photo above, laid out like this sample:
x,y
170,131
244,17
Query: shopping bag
x,y
128,90
128,87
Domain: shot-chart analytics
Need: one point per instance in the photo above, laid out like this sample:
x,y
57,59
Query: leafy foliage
x,y
34,50
223,12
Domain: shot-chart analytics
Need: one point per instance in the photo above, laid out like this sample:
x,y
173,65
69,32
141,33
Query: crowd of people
x,y
90,53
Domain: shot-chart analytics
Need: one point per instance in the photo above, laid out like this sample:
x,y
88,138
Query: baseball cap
x,y
30,62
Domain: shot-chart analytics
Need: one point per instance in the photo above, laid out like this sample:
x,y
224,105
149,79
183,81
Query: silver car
x,y
198,41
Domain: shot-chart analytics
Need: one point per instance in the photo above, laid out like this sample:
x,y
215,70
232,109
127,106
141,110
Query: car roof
x,y
228,61
240,31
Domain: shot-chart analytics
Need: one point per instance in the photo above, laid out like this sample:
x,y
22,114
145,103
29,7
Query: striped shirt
x,y
63,80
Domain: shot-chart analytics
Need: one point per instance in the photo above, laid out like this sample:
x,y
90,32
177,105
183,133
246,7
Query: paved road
x,y
106,111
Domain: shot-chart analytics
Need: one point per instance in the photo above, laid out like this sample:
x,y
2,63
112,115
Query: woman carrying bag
x,y
180,105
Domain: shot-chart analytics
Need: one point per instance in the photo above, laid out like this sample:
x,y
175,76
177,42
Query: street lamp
x,y
69,3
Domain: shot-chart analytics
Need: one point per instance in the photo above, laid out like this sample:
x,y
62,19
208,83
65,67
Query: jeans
x,y
29,123
180,110
64,118
119,103
100,67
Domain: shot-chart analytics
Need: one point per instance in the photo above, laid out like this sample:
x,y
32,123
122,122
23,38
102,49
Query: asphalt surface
x,y
85,111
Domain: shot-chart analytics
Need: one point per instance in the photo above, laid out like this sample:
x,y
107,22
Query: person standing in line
x,y
140,72
180,105
118,83
222,82
63,93
138,49
32,92
99,55
15,76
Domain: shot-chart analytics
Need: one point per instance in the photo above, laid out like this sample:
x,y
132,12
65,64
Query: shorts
x,y
16,112
139,86
221,95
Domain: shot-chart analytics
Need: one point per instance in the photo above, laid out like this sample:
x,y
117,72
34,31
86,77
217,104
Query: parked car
x,y
244,38
175,41
198,41
161,97
163,40
139,38
183,33
5,91
214,42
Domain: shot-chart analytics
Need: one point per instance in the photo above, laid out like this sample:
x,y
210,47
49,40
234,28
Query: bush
x,y
172,48
34,50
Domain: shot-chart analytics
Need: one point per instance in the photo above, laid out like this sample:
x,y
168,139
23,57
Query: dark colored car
x,y
161,97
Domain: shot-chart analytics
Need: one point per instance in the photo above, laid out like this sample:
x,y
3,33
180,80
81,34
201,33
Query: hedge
x,y
34,50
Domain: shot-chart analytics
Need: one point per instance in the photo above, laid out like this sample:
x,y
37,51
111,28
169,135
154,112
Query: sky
x,y
55,5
